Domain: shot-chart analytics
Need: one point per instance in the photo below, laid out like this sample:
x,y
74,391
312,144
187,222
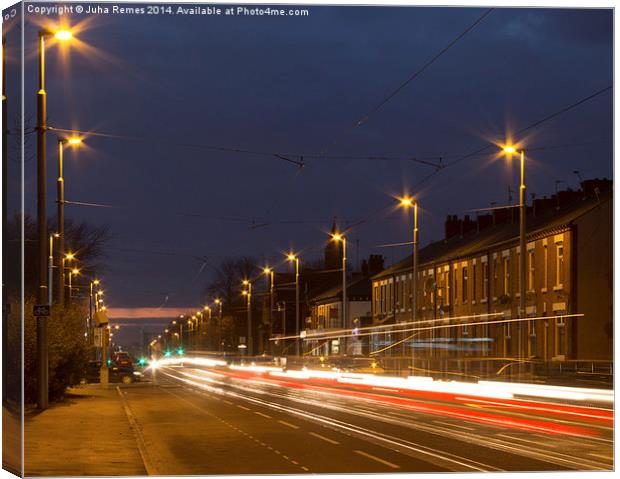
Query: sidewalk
x,y
88,434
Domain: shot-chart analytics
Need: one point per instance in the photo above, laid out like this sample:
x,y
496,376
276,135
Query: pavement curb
x,y
151,470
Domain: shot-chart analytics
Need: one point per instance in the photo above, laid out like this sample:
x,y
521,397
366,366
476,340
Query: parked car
x,y
122,359
116,373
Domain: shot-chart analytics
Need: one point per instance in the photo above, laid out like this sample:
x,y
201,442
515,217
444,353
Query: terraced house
x,y
468,285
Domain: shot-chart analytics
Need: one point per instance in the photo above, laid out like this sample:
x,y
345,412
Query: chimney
x,y
468,225
374,265
484,221
452,226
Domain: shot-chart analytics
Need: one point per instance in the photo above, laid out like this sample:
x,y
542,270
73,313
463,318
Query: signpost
x,y
41,310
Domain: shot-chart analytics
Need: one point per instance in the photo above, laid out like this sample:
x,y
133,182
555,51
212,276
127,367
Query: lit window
x,y
464,285
485,279
530,278
473,282
545,266
506,261
559,264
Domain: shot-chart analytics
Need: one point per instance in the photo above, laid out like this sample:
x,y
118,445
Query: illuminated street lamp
x,y
509,150
407,202
42,343
60,193
93,283
270,273
72,273
219,303
248,293
292,257
337,237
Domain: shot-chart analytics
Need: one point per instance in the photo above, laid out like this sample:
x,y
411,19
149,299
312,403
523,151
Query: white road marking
x,y
378,459
288,424
261,414
243,407
323,438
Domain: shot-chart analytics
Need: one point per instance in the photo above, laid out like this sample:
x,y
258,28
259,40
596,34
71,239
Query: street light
x,y
60,194
271,274
292,257
337,237
408,202
248,294
509,150
42,350
72,273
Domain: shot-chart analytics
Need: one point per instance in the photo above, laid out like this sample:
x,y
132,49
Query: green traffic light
x,y
180,351
167,354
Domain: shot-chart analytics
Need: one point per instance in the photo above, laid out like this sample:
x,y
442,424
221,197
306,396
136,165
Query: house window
x,y
495,276
456,285
447,285
559,264
473,282
545,266
506,261
485,279
530,277
464,283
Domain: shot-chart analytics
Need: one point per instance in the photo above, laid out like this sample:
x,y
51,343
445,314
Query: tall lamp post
x,y
248,294
407,203
60,193
270,273
42,349
295,258
337,237
510,150
72,273
219,324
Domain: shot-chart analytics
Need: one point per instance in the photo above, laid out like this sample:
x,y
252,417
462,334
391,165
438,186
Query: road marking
x,y
378,459
243,407
454,425
305,468
288,424
227,401
261,414
323,438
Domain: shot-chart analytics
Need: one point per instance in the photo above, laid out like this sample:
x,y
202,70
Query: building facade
x,y
468,284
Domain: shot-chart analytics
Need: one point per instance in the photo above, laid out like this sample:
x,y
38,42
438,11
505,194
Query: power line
x,y
417,73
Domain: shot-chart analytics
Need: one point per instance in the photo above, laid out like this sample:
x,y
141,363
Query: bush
x,y
68,349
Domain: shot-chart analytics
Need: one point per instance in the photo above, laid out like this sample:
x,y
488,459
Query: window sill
x,y
483,301
531,291
473,301
558,288
543,290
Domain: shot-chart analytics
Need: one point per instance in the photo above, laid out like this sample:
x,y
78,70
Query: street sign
x,y
40,310
98,337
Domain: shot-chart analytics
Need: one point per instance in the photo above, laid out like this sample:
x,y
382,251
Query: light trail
x,y
558,458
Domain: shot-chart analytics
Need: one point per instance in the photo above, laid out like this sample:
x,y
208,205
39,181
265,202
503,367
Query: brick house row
x,y
474,271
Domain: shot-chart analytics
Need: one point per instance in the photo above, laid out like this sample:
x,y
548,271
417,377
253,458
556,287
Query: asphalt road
x,y
193,420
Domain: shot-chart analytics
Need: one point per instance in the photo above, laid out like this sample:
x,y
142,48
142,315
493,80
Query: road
x,y
200,420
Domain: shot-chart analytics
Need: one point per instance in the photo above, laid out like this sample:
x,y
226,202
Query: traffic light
x,y
180,351
167,354
141,361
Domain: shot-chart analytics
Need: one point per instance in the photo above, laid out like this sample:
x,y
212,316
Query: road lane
x,y
485,446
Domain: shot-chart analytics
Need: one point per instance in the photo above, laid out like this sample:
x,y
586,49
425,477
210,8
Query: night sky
x,y
295,86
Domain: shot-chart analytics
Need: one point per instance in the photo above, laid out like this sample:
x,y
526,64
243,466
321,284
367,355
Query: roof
x,y
495,236
356,288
